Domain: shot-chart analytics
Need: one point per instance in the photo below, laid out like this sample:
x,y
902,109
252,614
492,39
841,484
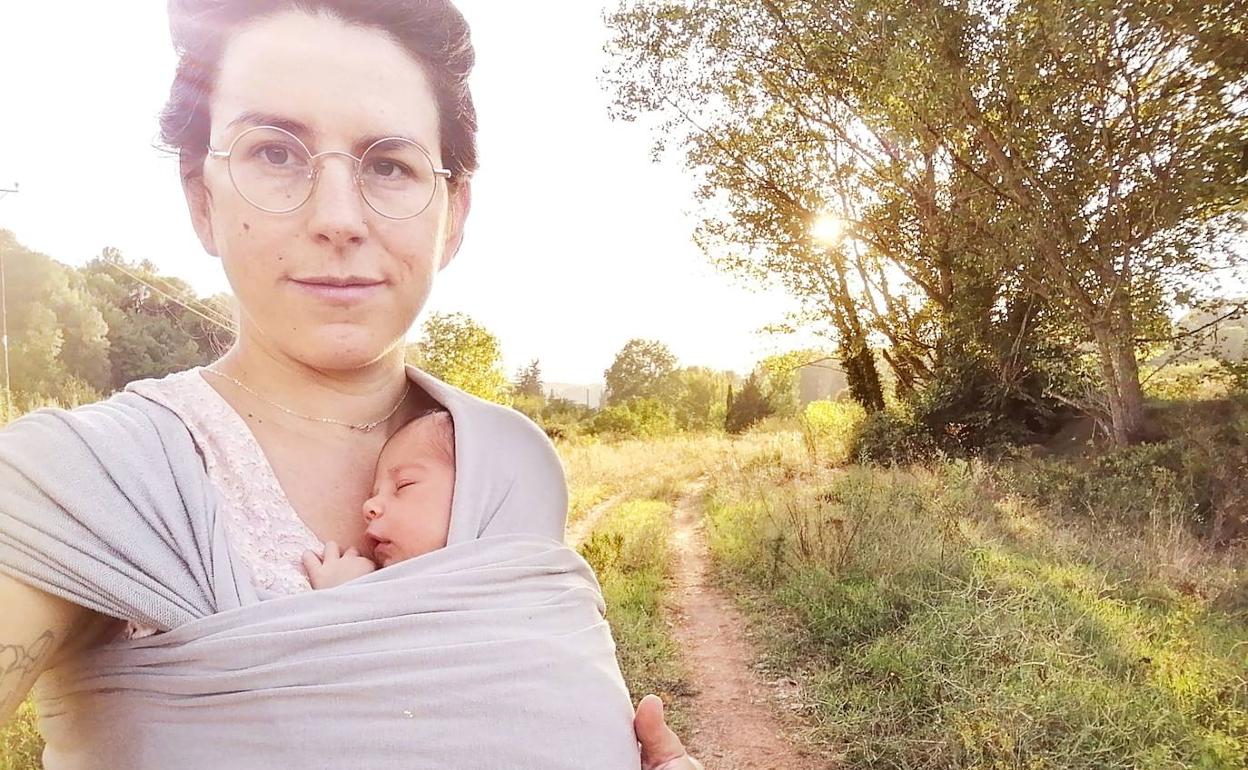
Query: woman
x,y
326,151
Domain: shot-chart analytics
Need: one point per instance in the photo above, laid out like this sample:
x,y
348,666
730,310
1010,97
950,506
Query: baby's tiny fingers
x,y
310,561
331,550
352,551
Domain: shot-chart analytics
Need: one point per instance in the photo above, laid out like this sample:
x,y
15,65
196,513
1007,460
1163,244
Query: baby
x,y
409,513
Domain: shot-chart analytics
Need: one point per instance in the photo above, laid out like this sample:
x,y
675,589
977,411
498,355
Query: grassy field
x,y
939,619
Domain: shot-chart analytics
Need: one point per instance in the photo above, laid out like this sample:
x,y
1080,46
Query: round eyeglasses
x,y
275,172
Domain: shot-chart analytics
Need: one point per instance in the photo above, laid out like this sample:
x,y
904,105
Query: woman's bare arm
x,y
34,628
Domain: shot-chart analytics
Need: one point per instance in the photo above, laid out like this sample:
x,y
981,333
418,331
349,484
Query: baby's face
x,y
409,513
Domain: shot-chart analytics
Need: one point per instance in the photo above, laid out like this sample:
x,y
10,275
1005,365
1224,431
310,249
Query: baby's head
x,y
409,513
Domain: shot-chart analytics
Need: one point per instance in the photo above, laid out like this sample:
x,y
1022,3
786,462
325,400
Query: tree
x,y
780,378
456,349
529,381
699,404
642,369
56,332
156,324
1003,173
747,407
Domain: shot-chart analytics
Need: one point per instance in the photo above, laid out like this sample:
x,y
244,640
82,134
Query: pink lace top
x,y
262,527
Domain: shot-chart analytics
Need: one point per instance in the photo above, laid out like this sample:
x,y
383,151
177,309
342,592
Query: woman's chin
x,y
336,349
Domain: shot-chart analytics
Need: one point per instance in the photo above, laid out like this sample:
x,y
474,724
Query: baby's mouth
x,y
381,551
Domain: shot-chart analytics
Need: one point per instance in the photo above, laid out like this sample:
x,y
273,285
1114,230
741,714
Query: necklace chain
x,y
362,427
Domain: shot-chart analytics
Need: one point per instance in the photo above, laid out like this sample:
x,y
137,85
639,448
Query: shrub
x,y
830,428
893,437
637,418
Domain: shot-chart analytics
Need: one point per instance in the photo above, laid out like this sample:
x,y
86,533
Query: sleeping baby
x,y
409,513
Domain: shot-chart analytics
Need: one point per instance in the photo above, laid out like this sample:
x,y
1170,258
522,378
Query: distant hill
x,y
1228,339
574,392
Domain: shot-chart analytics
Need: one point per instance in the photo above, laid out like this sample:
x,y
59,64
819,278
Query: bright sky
x,y
577,241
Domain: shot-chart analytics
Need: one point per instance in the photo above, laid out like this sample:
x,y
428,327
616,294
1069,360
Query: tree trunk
x,y
861,374
1122,384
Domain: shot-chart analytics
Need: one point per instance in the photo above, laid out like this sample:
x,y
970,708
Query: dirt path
x,y
581,529
735,715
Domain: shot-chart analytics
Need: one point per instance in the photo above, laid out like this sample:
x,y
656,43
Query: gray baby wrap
x,y
490,653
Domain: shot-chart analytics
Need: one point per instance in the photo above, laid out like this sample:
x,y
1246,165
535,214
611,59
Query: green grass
x,y
939,622
629,553
21,747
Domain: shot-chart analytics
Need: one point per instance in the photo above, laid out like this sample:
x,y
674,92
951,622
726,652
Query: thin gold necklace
x,y
362,427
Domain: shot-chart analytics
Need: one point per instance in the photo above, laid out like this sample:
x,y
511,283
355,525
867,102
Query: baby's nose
x,y
372,508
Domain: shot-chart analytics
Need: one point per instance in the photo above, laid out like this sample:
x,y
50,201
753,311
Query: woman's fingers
x,y
659,744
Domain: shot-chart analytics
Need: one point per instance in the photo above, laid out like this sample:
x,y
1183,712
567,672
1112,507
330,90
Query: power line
x,y
222,314
228,326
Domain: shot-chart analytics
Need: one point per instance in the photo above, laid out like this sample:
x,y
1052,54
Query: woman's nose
x,y
338,210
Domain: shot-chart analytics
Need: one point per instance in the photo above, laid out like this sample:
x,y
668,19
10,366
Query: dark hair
x,y
442,440
433,32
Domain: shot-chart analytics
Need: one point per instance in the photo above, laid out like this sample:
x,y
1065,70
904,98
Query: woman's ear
x,y
199,202
461,203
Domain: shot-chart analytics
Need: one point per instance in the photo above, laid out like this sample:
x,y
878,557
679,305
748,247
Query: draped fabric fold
x,y
490,653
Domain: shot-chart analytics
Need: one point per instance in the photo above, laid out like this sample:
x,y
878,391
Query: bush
x,y
1197,479
830,429
637,418
1204,379
893,437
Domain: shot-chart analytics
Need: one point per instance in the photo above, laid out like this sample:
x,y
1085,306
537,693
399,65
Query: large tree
x,y
456,349
642,369
1002,173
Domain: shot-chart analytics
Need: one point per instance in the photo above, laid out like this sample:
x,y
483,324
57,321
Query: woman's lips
x,y
338,292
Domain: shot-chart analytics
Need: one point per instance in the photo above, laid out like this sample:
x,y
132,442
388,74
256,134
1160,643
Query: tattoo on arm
x,y
18,665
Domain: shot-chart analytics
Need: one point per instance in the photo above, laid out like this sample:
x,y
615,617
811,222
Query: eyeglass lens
x,y
274,172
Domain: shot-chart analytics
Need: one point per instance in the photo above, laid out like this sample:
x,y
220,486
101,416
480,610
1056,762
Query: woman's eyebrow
x,y
253,118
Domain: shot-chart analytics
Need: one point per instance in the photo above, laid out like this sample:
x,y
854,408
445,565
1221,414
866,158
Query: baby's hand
x,y
335,568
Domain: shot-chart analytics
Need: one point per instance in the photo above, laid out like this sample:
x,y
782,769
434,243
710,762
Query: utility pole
x,y
4,323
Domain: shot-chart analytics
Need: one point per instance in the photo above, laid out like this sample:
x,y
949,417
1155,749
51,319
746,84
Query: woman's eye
x,y
276,155
388,169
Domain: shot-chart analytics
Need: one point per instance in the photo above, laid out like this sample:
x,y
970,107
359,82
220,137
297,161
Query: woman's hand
x,y
660,748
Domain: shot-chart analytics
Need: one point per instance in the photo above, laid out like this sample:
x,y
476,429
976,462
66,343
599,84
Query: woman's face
x,y
333,285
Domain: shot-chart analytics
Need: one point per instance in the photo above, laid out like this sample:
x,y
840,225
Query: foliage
x,y
78,334
894,437
21,746
459,351
528,381
636,418
779,375
642,369
701,395
938,617
830,429
747,407
1000,171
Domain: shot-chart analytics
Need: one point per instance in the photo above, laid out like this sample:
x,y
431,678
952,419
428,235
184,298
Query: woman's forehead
x,y
338,82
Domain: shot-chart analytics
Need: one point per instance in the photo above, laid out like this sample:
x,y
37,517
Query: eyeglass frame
x,y
316,170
